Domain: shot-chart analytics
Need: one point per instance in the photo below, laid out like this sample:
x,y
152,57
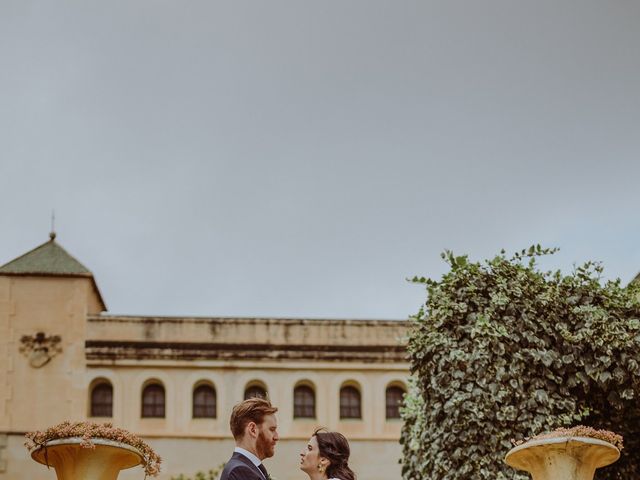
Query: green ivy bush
x,y
502,350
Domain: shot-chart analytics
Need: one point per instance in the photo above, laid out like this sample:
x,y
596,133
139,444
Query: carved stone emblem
x,y
40,348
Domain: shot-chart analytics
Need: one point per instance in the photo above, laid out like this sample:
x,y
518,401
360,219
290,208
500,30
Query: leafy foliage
x,y
212,474
502,350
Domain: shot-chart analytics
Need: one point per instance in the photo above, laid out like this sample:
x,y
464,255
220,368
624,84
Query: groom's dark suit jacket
x,y
240,467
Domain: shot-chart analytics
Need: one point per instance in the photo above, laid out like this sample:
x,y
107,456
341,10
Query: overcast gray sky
x,y
293,158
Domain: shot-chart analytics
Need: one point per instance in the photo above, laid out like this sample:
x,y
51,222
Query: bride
x,y
326,457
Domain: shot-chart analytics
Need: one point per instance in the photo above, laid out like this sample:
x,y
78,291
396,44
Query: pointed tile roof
x,y
48,259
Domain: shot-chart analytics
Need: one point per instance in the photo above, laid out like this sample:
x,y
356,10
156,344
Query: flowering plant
x,y
89,430
579,431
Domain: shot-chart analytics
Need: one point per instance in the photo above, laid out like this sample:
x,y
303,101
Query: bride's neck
x,y
318,476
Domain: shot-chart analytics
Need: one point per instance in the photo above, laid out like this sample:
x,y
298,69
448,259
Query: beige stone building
x,y
174,380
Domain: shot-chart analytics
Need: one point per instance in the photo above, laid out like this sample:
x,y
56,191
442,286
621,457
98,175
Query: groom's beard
x,y
264,448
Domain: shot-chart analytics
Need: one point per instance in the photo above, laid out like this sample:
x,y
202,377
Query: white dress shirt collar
x,y
255,460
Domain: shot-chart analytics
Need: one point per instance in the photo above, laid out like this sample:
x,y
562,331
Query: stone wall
x,y
228,353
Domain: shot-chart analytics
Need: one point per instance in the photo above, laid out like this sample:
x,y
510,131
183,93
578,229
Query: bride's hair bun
x,y
335,448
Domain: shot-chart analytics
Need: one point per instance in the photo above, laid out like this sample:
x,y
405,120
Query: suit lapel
x,y
246,461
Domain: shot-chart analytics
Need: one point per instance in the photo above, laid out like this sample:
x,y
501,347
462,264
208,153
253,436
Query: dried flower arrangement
x,y
579,431
89,430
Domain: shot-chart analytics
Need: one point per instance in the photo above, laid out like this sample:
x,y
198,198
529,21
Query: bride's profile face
x,y
310,457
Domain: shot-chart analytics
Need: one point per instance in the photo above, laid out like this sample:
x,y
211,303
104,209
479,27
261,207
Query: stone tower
x,y
45,297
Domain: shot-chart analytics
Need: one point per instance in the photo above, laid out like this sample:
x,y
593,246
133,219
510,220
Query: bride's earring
x,y
321,468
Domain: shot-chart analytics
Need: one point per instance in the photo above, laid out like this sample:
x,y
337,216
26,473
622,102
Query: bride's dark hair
x,y
335,448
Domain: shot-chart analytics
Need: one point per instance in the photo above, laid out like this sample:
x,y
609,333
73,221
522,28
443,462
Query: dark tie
x,y
264,471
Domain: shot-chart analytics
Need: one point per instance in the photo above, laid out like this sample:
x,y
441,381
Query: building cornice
x,y
137,350
244,320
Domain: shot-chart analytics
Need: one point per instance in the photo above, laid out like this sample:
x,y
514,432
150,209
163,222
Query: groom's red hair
x,y
251,410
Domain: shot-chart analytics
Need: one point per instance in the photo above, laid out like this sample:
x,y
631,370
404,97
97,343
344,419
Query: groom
x,y
254,428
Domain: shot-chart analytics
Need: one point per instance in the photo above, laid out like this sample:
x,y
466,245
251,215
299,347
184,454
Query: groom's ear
x,y
252,428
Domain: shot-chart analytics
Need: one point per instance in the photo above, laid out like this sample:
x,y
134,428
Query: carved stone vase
x,y
74,462
562,458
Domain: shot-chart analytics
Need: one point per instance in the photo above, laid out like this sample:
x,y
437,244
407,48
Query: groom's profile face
x,y
267,437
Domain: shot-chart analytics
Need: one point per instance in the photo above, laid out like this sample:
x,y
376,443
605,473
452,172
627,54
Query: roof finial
x,y
52,234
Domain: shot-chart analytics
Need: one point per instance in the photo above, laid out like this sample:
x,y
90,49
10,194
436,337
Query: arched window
x,y
255,391
350,402
394,401
304,402
204,402
102,400
153,401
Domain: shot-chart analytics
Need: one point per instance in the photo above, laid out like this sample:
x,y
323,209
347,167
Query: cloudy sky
x,y
301,159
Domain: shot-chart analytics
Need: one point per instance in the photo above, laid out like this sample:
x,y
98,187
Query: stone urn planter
x,y
72,461
90,451
562,457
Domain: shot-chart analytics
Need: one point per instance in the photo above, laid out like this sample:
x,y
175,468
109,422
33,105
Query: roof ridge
x,y
47,258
